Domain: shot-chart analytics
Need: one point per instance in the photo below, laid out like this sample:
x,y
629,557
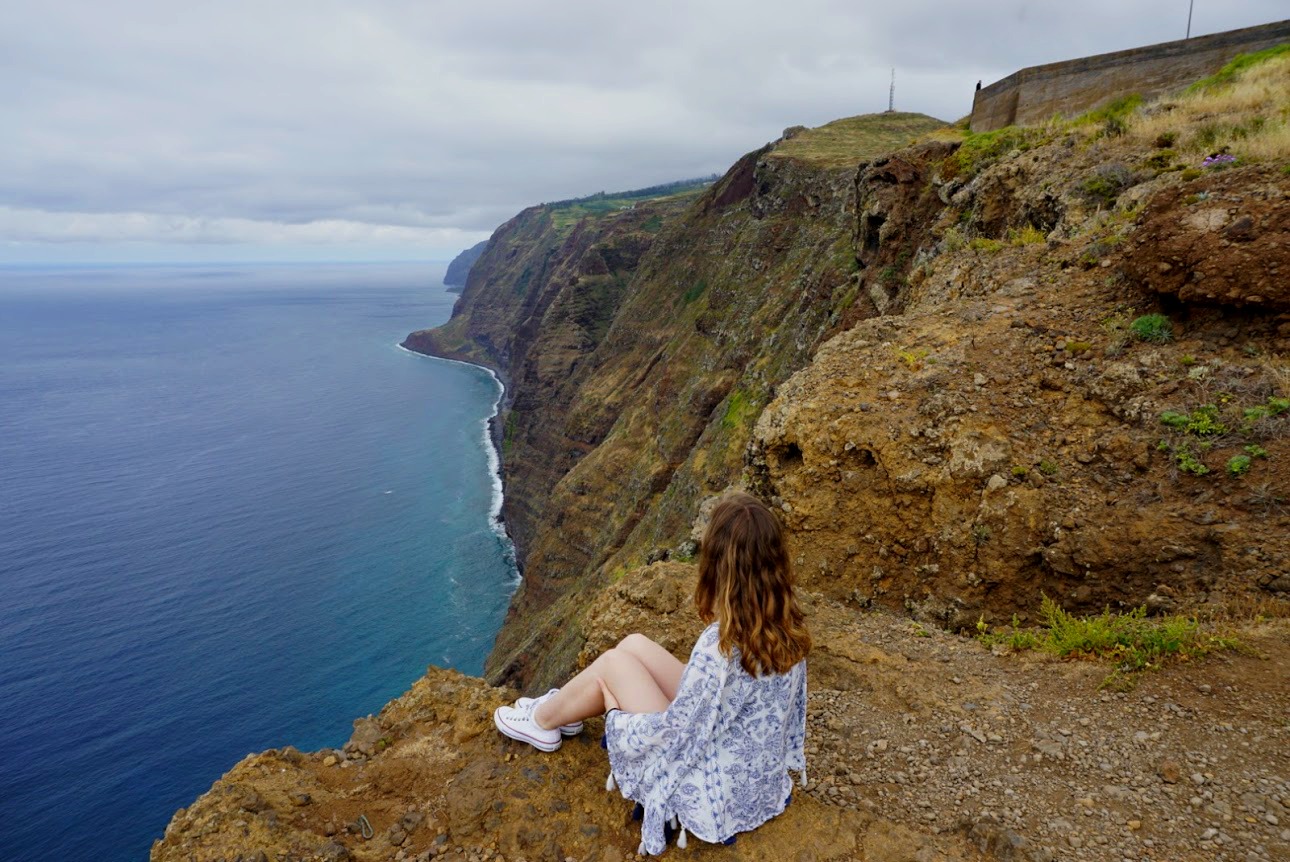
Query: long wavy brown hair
x,y
746,583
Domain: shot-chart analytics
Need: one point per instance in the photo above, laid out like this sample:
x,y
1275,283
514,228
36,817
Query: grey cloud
x,y
417,119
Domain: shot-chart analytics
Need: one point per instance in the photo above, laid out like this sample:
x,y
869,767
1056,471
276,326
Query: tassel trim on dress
x,y
675,823
802,777
609,782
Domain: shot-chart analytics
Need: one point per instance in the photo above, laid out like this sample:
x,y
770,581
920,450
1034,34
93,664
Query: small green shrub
x,y
1253,417
1204,421
1152,327
980,243
913,357
1166,139
1159,161
1131,640
1078,346
980,534
1238,465
1028,235
1187,360
1019,471
1015,639
1106,183
1256,451
1189,463
1048,468
952,240
1192,174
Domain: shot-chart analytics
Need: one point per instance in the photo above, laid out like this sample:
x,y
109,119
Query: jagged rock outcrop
x,y
434,779
922,747
1008,435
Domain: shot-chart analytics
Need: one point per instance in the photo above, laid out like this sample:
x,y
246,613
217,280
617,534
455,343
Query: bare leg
x,y
661,664
625,675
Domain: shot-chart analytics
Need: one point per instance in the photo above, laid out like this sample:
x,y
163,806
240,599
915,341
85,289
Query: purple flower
x,y
1219,160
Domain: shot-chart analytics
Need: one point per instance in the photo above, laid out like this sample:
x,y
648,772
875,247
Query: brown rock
x,y
1241,253
334,851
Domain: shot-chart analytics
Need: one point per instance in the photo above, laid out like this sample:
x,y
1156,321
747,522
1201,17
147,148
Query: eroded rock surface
x,y
921,746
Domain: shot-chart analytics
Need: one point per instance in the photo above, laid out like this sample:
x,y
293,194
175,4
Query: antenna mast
x,y
891,93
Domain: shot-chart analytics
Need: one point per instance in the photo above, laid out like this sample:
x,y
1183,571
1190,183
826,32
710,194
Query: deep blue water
x,y
234,515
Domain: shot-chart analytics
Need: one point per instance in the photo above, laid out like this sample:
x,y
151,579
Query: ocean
x,y
234,515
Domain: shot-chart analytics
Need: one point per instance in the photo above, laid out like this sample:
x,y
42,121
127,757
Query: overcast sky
x,y
409,129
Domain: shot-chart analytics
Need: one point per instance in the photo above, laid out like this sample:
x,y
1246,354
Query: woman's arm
x,y
797,727
611,702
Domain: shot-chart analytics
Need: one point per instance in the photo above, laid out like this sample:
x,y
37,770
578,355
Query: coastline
x,y
492,449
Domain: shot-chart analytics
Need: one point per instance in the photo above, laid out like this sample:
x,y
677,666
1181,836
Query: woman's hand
x,y
611,702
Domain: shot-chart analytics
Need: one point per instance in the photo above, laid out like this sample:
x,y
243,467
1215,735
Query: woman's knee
x,y
607,657
619,663
616,657
634,641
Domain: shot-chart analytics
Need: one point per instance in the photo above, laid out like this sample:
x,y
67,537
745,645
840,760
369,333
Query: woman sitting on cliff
x,y
708,743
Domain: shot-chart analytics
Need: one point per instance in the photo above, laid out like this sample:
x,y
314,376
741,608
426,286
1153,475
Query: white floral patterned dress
x,y
718,758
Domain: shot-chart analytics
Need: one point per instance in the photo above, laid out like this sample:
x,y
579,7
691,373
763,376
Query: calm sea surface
x,y
234,515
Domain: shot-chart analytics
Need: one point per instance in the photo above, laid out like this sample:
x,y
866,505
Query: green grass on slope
x,y
855,139
1239,64
565,214
1130,640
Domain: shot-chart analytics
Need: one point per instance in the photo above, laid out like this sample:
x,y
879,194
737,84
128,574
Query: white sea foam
x,y
495,522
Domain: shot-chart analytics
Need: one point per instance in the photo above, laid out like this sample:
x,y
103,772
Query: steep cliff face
x,y
981,417
459,269
640,348
538,302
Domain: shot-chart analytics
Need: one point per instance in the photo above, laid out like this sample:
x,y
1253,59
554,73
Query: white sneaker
x,y
566,729
517,723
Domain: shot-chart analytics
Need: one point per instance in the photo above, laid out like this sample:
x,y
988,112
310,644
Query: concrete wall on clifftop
x,y
1071,87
